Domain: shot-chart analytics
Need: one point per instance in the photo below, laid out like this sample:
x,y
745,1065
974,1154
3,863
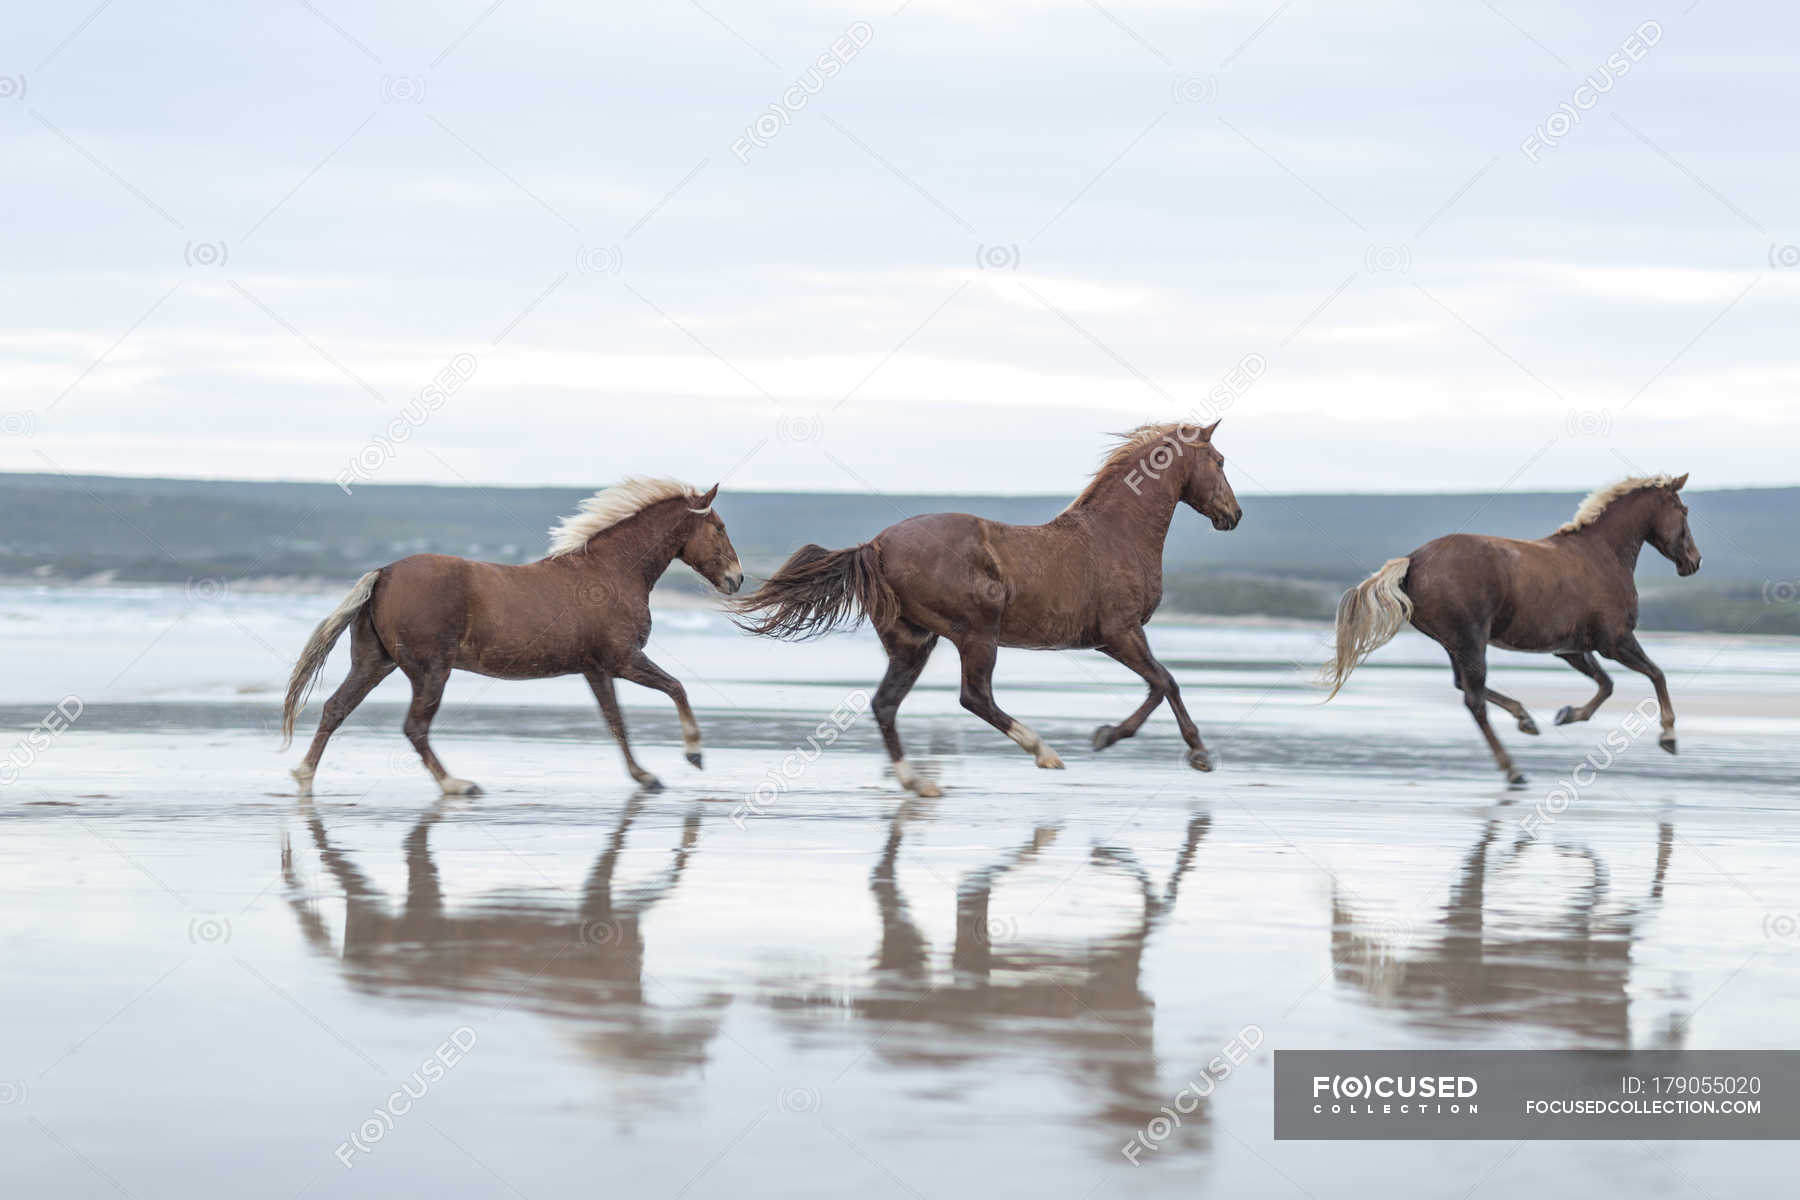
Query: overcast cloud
x,y
242,239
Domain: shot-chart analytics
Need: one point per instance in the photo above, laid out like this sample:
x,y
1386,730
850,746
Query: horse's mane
x,y
1132,445
1598,499
604,509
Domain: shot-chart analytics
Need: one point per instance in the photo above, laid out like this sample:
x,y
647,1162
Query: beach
x,y
780,975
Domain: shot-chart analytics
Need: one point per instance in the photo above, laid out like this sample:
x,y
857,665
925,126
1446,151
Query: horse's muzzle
x,y
732,582
1688,568
1228,521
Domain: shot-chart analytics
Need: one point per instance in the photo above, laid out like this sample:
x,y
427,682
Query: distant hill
x,y
1289,558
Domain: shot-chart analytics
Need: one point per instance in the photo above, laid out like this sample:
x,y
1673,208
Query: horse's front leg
x,y
1132,650
640,670
602,685
1629,654
1584,662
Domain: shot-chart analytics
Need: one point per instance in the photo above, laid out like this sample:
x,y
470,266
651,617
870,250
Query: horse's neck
x,y
1139,514
643,545
1620,531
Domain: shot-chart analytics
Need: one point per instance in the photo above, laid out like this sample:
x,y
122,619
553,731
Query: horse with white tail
x,y
1572,594
583,610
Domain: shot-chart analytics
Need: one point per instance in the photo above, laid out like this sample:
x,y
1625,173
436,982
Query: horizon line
x,y
870,492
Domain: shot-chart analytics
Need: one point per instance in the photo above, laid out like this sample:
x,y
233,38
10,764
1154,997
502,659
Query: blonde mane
x,y
604,509
1133,444
1598,499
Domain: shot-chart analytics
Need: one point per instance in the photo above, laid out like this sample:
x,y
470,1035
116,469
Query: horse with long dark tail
x,y
1090,578
1572,594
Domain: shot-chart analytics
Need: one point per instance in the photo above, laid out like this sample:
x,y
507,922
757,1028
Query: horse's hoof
x,y
1527,725
925,788
694,758
1516,778
1667,742
1565,715
458,787
1048,760
1103,737
304,778
649,782
1200,760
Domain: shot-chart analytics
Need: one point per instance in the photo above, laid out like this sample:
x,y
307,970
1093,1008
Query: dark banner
x,y
1540,1095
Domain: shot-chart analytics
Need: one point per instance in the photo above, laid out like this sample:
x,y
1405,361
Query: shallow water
x,y
212,986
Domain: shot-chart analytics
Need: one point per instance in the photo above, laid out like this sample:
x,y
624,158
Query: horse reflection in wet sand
x,y
1090,578
580,959
1476,964
1572,594
1000,999
583,610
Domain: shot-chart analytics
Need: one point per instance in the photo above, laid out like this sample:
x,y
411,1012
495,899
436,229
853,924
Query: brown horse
x,y
1572,594
584,610
1090,578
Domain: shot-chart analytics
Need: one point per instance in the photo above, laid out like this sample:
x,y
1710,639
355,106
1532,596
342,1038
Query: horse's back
x,y
1523,595
955,571
511,621
941,570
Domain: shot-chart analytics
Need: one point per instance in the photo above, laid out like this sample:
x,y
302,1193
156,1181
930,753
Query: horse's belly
x,y
1043,627
502,655
510,666
1520,646
1555,639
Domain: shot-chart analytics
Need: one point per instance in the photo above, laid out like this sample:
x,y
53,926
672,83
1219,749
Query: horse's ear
x,y
1678,484
706,500
1206,431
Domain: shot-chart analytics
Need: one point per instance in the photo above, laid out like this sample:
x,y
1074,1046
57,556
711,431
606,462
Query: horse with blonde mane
x,y
1090,578
1572,594
582,610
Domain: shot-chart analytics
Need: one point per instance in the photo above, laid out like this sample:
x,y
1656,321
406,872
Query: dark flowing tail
x,y
819,590
1368,617
318,649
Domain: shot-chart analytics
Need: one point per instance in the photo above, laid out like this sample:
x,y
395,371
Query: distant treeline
x,y
1290,558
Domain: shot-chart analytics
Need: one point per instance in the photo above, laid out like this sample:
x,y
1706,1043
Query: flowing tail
x,y
819,590
1368,617
318,649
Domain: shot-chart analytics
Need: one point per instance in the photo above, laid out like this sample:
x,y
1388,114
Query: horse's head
x,y
1669,531
708,547
1206,490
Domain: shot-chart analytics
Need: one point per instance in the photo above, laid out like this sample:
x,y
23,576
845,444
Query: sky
x,y
932,246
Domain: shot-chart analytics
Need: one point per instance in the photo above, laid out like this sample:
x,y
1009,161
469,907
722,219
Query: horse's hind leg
x,y
978,655
369,665
1133,651
1629,654
1588,665
640,670
909,648
428,691
602,685
1517,710
1470,665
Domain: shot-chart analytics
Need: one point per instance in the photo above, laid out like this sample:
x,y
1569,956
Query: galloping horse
x,y
1090,578
1572,594
583,610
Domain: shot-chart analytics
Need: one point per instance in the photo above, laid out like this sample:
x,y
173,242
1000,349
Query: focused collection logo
x,y
1395,1095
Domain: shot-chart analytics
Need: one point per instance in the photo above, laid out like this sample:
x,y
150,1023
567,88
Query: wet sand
x,y
566,985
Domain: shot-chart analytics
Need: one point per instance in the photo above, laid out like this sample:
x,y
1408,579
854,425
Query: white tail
x,y
318,649
1368,617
